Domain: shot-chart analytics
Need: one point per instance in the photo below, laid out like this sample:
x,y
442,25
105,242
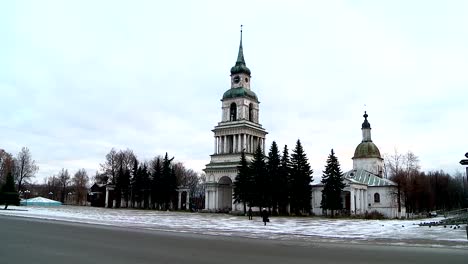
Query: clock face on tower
x,y
236,79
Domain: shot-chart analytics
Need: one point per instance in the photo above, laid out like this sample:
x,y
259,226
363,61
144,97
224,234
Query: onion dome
x,y
239,92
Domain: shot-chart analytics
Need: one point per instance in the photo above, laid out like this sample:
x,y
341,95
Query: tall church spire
x,y
240,55
240,66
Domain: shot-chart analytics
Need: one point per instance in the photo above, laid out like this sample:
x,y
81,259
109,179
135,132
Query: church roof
x,y
239,92
367,149
368,178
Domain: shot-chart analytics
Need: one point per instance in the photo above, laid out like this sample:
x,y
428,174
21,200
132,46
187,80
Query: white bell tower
x,y
238,130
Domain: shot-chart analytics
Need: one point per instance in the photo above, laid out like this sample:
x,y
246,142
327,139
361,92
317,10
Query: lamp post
x,y
26,194
68,197
50,195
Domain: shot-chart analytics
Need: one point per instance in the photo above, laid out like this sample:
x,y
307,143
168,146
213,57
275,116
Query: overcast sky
x,y
80,77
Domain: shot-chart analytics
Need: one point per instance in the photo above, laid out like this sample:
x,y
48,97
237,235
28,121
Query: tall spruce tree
x,y
242,182
301,178
333,185
261,186
285,181
168,185
8,193
145,185
134,181
156,199
273,168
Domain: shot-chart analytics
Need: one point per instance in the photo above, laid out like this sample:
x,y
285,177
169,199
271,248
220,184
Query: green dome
x,y
239,92
366,149
240,68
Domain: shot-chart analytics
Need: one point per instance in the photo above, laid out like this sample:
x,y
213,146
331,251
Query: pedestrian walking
x,y
265,216
250,214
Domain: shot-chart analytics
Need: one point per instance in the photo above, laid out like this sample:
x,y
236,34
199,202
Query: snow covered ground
x,y
398,232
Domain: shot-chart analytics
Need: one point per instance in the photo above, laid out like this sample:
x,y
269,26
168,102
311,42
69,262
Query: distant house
x,y
97,195
365,189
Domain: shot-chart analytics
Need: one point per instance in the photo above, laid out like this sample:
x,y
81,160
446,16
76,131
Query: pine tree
x,y
301,178
285,181
8,193
260,188
242,182
333,185
156,200
273,168
134,181
145,185
168,186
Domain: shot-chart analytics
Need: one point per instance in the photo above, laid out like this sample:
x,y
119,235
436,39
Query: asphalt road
x,y
35,241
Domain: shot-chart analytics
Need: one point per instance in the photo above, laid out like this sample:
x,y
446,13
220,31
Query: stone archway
x,y
225,194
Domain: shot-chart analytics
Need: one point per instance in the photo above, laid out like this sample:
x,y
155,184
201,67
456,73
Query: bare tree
x,y
402,169
25,167
53,187
80,183
109,168
64,181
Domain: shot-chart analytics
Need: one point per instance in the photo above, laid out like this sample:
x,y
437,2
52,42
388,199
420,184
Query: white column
x,y
226,150
234,143
106,204
252,148
352,207
263,142
215,145
366,203
363,205
187,201
179,202
239,142
245,142
207,199
361,201
216,198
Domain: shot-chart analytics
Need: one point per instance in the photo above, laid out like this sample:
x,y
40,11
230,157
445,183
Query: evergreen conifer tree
x,y
273,168
145,185
242,182
301,178
8,193
260,188
167,187
156,184
333,185
133,182
285,181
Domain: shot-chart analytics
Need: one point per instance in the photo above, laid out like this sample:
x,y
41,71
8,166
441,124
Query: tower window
x,y
251,112
233,112
376,198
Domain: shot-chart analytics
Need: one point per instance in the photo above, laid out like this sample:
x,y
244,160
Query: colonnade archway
x,y
225,194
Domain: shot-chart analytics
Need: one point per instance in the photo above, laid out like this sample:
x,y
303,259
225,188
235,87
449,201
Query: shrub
x,y
373,215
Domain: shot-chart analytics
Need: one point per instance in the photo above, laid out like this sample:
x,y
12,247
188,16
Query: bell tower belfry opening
x,y
238,130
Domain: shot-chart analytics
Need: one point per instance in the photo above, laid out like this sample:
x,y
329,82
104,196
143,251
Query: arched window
x,y
250,112
233,112
376,198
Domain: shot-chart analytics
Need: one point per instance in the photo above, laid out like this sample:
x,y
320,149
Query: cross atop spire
x,y
366,123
